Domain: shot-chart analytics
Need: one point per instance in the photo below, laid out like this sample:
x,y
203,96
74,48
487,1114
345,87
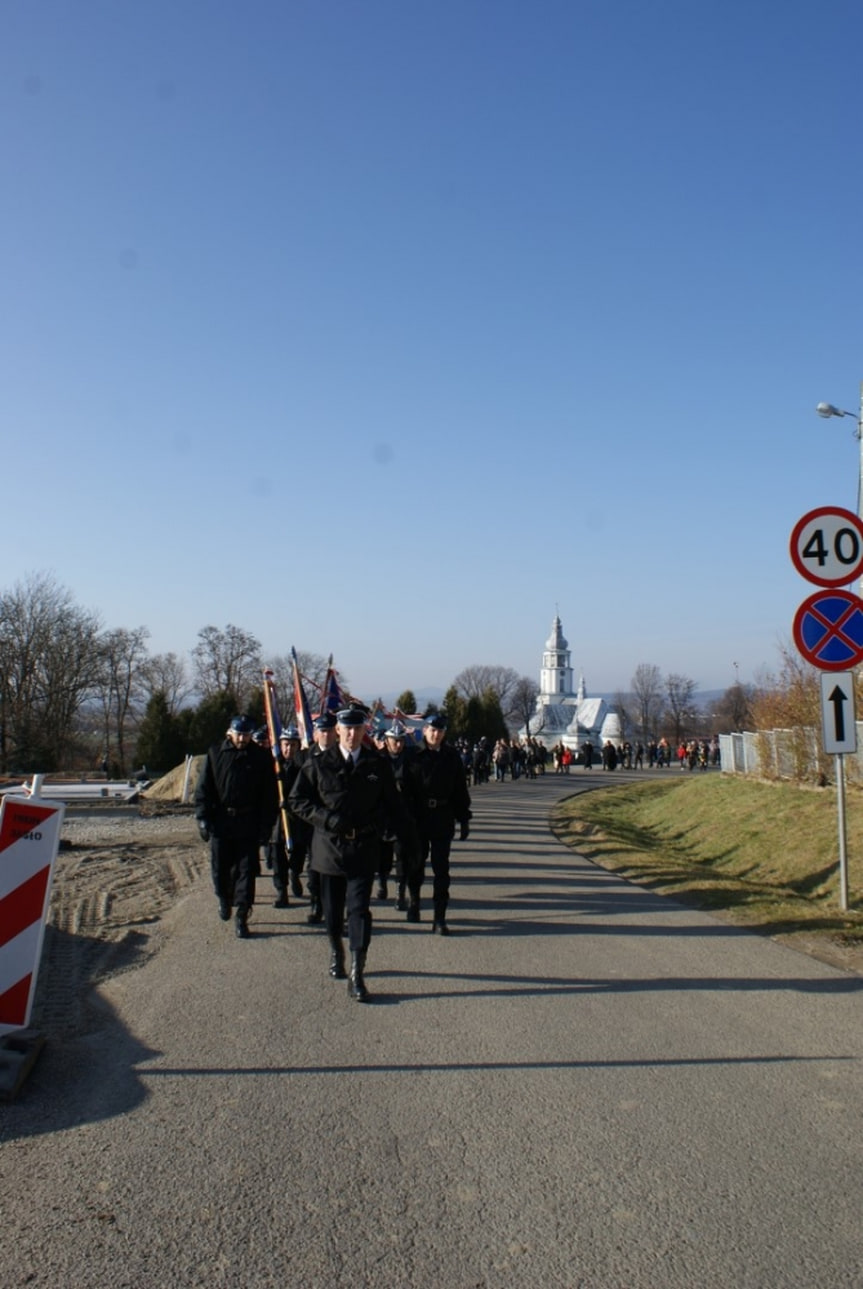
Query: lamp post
x,y
827,410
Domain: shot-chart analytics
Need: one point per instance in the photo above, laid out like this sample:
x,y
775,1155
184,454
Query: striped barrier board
x,y
29,839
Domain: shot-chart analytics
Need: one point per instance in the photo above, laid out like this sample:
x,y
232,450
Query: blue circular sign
x,y
828,630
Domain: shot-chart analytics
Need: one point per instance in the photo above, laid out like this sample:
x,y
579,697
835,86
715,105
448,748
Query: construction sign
x,y
29,840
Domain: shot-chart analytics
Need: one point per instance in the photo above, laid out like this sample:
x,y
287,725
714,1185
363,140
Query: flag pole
x,y
274,727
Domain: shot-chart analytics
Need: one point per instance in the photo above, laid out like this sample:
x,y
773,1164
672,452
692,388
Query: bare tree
x,y
679,691
121,687
522,703
734,709
48,665
313,669
477,681
227,661
647,693
622,705
167,674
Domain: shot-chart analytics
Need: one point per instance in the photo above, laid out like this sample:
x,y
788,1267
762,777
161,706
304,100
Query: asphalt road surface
x,y
585,1085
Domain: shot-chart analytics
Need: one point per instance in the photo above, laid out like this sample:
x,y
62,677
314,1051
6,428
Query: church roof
x,y
556,639
591,712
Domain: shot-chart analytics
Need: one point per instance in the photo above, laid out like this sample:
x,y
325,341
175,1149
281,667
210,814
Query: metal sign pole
x,y
840,807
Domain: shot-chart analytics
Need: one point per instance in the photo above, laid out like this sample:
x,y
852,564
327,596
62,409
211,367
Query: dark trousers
x,y
353,893
233,865
284,862
437,849
385,861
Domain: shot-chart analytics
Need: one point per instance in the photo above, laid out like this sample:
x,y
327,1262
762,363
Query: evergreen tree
x,y
407,703
161,742
210,720
494,723
455,710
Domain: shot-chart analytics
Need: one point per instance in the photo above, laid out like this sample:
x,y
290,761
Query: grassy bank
x,y
761,855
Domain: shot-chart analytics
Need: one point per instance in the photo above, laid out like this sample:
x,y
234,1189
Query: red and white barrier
x,y
29,840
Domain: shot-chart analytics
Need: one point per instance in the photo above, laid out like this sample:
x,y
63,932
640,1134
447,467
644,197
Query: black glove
x,y
464,831
203,830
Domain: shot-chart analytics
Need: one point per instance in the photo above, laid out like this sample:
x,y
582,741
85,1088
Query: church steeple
x,y
555,678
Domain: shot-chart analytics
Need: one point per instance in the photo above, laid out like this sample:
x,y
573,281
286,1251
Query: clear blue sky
x,y
387,328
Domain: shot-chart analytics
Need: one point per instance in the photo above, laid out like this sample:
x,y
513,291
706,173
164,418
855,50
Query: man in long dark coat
x,y
236,802
348,794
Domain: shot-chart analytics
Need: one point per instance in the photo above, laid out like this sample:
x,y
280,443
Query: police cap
x,y
351,716
242,725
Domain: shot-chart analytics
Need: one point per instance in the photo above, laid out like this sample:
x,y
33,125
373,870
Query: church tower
x,y
555,678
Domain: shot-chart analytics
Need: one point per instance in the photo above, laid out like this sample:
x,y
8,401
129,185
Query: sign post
x,y
827,549
839,729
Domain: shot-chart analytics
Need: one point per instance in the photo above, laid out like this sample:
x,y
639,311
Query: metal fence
x,y
790,754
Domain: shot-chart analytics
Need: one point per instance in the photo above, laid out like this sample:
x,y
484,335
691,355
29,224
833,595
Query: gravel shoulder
x,y
117,874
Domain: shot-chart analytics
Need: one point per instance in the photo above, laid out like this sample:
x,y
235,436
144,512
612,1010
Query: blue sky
x,y
388,329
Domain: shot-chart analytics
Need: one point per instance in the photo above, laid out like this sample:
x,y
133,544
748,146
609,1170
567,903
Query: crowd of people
x,y
354,810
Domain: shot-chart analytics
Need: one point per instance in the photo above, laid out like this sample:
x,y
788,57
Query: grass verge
x,y
764,856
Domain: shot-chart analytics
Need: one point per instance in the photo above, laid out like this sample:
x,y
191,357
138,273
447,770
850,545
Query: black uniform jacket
x,y
300,830
237,795
349,810
439,791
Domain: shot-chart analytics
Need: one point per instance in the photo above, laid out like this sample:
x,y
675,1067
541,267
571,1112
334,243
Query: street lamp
x,y
826,410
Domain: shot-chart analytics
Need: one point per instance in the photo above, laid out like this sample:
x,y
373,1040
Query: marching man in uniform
x,y
348,794
442,801
236,803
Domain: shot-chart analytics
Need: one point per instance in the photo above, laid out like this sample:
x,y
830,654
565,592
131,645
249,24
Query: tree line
x,y
75,695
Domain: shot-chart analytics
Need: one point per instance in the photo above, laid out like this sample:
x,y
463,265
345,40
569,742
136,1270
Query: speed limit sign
x,y
827,546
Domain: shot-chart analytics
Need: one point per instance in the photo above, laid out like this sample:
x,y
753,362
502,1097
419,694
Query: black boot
x,y
382,888
439,926
401,903
296,885
315,913
281,901
240,925
337,960
224,908
356,985
413,911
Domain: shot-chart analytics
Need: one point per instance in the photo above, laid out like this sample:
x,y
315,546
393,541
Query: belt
x,y
356,834
238,810
434,802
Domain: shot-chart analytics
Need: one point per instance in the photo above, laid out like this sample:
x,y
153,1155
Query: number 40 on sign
x,y
827,546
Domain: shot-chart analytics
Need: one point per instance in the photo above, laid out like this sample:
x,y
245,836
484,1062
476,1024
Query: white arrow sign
x,y
837,712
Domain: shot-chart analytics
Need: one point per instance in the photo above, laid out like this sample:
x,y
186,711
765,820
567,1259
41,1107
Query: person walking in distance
x,y
236,802
348,794
442,801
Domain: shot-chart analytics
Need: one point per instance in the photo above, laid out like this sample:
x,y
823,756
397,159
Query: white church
x,y
564,715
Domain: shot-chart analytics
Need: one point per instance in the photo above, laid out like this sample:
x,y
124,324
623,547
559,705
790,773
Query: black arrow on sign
x,y
837,698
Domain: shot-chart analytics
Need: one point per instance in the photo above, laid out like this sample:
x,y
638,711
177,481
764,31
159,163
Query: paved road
x,y
585,1085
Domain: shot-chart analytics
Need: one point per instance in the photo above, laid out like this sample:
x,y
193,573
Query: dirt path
x,y
115,878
